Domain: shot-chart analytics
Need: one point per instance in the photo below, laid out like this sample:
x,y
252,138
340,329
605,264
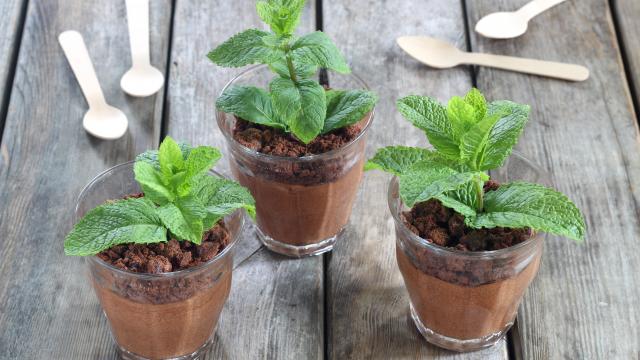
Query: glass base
x,y
301,251
128,355
450,343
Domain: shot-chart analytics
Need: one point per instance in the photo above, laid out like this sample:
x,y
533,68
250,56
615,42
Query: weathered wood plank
x,y
583,305
368,305
47,307
11,12
276,304
626,14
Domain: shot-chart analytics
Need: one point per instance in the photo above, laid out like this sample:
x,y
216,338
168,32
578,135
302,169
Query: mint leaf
x,y
427,114
302,70
473,143
427,179
303,104
152,183
520,204
247,47
151,156
316,48
184,218
475,98
461,115
345,108
505,133
453,200
399,159
221,197
120,222
282,16
251,104
201,159
170,157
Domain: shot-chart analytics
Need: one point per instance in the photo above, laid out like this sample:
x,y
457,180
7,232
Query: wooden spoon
x,y
101,120
142,79
440,54
511,24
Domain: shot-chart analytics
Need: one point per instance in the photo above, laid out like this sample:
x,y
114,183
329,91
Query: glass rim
x,y
488,254
313,157
96,260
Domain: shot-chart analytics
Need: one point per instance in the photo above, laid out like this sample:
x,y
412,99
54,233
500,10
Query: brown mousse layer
x,y
458,296
169,315
300,202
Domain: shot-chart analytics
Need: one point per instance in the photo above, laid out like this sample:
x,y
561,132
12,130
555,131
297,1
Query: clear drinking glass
x,y
304,203
158,316
466,301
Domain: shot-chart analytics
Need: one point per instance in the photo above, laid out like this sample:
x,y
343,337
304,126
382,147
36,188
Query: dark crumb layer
x,y
171,256
442,226
271,141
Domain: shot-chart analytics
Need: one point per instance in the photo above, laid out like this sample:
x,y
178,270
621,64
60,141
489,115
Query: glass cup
x,y
158,316
466,301
304,203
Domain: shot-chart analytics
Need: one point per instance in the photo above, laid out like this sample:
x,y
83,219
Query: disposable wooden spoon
x,y
511,24
101,120
142,79
440,54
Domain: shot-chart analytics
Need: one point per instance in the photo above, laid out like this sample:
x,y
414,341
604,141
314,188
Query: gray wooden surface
x,y
626,13
351,303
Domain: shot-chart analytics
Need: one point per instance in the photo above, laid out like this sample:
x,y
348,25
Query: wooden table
x,y
351,303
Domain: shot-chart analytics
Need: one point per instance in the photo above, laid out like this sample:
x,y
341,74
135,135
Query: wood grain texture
x,y
626,14
11,12
583,305
367,303
47,308
276,306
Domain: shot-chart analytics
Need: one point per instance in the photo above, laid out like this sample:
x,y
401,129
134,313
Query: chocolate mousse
x,y
163,300
455,291
301,202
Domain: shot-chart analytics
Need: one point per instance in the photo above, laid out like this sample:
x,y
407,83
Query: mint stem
x,y
480,195
292,71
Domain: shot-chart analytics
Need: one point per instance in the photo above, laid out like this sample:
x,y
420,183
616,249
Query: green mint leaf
x,y
282,16
120,222
151,156
201,159
520,204
427,114
170,157
428,179
153,183
461,115
247,47
221,197
184,218
505,133
345,108
399,159
303,104
302,70
454,200
316,48
474,142
475,98
251,104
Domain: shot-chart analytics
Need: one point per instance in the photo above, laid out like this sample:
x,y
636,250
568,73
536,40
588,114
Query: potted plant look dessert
x,y
468,246
158,235
297,145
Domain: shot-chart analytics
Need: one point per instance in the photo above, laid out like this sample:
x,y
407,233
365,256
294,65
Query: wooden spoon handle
x,y
535,7
138,21
530,66
78,57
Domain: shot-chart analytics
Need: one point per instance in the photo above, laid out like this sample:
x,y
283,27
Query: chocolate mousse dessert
x,y
301,202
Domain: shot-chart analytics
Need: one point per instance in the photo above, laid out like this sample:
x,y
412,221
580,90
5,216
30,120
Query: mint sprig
x,y
471,137
294,102
180,199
